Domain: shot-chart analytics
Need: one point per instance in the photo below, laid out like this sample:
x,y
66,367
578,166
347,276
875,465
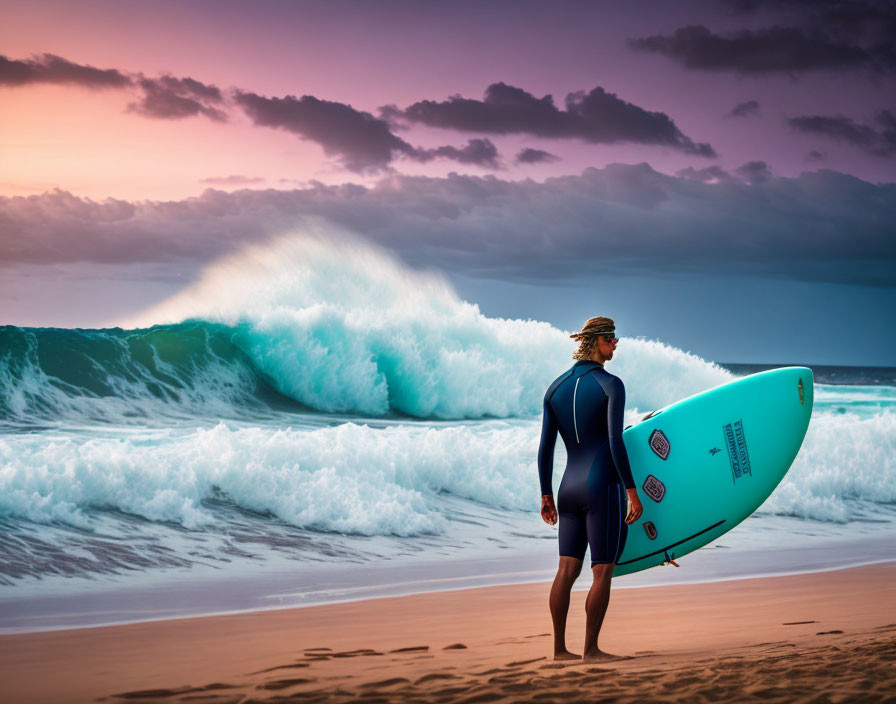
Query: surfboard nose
x,y
800,396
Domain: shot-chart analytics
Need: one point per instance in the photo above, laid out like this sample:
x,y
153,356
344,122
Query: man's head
x,y
597,340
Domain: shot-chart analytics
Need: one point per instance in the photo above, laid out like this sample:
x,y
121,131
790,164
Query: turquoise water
x,y
347,415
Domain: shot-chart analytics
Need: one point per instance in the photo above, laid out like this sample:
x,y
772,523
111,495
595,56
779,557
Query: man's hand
x,y
548,510
634,506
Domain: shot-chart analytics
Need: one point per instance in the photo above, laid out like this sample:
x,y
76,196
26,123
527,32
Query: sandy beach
x,y
821,637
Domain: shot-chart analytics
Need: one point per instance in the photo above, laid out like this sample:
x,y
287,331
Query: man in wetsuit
x,y
597,499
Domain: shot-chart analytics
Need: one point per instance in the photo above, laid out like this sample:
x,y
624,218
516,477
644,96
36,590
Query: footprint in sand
x,y
283,684
163,693
455,646
386,683
606,657
282,667
433,676
824,633
411,649
524,662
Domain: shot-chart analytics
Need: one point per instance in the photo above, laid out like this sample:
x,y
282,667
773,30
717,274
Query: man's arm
x,y
546,449
615,419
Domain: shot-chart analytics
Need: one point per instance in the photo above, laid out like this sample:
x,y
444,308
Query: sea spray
x,y
332,325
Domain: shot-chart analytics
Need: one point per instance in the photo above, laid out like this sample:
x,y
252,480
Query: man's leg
x,y
595,609
567,572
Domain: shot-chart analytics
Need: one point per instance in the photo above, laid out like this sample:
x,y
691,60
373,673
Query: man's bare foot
x,y
601,656
566,655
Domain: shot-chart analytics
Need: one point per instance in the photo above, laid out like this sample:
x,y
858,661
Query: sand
x,y
821,637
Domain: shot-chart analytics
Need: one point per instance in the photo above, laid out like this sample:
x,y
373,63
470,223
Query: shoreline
x,y
580,585
398,647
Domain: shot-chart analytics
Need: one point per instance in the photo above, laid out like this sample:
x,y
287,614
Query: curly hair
x,y
589,334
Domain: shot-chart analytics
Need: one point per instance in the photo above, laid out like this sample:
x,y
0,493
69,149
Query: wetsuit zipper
x,y
574,424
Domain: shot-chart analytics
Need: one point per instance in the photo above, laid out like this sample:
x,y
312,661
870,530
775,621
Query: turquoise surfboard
x,y
703,464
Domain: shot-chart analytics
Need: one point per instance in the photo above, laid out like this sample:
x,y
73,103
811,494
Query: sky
x,y
718,175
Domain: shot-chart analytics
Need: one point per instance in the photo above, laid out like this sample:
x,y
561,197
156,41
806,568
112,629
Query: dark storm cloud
x,y
872,21
596,116
360,140
48,68
745,109
173,98
879,140
816,155
751,173
754,172
535,156
709,174
821,226
164,97
768,50
871,26
479,152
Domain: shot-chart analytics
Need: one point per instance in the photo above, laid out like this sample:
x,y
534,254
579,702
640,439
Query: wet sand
x,y
821,637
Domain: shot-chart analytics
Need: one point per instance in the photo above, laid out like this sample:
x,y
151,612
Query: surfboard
x,y
705,463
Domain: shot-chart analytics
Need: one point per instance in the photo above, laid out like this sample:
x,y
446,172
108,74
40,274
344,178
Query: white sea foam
x,y
348,478
357,479
846,470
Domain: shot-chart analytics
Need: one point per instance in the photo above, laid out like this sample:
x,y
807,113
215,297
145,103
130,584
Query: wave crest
x,y
330,323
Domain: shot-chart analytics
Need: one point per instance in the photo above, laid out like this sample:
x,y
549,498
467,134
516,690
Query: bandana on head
x,y
595,327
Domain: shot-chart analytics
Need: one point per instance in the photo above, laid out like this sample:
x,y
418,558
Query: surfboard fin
x,y
669,560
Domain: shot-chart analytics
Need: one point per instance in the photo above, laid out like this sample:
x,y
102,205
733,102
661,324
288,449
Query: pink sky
x,y
801,245
368,55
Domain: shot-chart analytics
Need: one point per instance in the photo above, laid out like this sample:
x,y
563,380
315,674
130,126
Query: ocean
x,y
319,423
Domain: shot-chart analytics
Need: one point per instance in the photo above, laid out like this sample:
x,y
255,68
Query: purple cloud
x,y
535,156
171,98
596,116
480,152
878,141
769,50
754,172
505,229
746,109
232,180
709,174
47,68
360,140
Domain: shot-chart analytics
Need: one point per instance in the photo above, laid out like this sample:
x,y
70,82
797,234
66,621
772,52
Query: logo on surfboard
x,y
659,443
654,488
737,449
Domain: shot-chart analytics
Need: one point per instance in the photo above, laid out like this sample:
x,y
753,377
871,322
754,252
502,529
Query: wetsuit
x,y
585,404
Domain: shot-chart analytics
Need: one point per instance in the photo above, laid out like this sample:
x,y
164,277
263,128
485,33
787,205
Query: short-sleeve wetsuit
x,y
585,404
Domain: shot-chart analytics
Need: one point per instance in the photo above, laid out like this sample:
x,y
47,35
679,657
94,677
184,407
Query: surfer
x,y
597,499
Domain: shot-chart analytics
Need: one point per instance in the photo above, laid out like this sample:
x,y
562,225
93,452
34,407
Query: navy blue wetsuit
x,y
585,404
